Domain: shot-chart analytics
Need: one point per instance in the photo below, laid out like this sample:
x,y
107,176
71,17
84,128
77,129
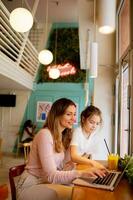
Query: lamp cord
x,y
46,22
56,36
95,20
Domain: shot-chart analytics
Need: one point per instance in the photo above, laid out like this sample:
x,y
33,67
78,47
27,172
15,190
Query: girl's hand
x,y
69,166
98,165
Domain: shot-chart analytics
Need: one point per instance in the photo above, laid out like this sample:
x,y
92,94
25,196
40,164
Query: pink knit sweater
x,y
45,163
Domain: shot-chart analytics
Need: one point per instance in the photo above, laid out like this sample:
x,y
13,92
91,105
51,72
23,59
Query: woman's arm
x,y
31,130
51,160
44,162
83,160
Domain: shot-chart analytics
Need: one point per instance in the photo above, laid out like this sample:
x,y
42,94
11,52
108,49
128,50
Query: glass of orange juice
x,y
113,161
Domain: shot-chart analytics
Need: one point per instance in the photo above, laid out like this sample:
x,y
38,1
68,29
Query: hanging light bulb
x,y
106,16
54,73
93,71
45,57
21,20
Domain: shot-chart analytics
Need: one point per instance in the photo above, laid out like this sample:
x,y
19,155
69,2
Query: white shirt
x,y
26,135
93,144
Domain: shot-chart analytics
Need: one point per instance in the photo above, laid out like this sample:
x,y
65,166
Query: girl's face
x,y
90,124
68,118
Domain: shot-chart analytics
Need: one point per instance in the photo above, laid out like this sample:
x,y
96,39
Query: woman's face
x,y
90,124
68,118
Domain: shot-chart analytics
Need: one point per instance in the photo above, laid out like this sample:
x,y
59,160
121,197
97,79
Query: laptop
x,y
109,182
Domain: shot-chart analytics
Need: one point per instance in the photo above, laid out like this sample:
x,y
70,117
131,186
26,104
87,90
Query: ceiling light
x,y
106,29
106,16
93,60
94,51
45,57
21,20
54,73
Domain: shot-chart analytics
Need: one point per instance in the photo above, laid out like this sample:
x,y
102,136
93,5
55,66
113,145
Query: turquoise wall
x,y
52,91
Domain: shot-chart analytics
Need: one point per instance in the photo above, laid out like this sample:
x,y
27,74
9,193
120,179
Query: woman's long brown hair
x,y
52,123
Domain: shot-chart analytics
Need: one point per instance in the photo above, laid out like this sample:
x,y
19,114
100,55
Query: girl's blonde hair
x,y
58,109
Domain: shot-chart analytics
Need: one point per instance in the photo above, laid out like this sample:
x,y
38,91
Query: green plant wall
x,y
64,44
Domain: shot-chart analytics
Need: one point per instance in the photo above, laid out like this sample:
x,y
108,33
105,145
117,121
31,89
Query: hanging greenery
x,y
66,51
129,170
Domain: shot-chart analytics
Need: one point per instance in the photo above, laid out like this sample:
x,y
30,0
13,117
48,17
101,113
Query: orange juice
x,y
113,161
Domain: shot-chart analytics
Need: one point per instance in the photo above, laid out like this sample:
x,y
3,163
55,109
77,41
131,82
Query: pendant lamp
x,y
94,51
93,60
45,56
21,20
54,72
106,16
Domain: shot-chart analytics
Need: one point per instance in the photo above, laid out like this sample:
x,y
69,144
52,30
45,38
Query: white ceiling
x,y
65,11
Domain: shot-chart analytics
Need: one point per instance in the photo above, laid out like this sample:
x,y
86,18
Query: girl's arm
x,y
82,159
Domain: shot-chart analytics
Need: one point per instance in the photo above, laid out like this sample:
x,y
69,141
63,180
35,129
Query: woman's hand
x,y
93,172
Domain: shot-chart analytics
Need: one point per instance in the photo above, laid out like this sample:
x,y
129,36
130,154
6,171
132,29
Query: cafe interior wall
x,y
104,85
105,75
103,95
50,91
26,105
76,91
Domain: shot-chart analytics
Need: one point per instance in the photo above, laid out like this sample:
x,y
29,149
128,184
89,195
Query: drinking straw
x,y
107,146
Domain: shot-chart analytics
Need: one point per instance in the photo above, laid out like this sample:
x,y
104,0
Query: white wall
x,y
88,32
104,99
10,119
103,89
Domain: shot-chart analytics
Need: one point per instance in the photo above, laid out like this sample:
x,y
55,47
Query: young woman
x,y
28,131
46,159
86,141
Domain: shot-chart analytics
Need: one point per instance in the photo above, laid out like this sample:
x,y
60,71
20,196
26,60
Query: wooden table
x,y
124,191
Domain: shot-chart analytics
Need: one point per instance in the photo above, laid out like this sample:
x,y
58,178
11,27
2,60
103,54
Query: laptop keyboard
x,y
106,180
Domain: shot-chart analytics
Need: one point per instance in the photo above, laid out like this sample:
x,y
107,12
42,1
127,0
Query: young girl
x,y
85,143
46,159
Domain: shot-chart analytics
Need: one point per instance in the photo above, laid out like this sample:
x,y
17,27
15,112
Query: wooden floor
x,y
7,162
